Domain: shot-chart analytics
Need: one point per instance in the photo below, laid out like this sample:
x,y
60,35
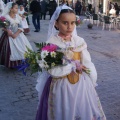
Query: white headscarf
x,y
51,30
2,5
7,8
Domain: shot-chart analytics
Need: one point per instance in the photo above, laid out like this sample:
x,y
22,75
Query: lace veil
x,y
51,30
7,8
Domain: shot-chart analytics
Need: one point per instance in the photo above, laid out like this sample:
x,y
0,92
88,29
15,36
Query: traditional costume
x,y
12,50
63,96
24,21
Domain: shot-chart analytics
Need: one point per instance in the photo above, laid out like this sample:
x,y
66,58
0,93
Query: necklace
x,y
66,38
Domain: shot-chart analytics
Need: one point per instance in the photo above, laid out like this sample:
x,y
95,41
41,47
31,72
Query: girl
x,y
24,23
66,92
13,42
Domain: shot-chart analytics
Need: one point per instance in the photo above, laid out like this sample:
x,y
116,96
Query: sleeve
x,y
86,61
20,27
61,71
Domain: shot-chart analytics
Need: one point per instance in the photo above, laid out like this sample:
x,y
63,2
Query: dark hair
x,y
62,12
13,4
65,11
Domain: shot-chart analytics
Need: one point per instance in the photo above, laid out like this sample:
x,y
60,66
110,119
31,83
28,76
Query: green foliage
x,y
31,57
34,57
40,45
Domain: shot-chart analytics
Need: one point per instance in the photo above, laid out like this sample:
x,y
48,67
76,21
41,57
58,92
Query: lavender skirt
x,y
43,106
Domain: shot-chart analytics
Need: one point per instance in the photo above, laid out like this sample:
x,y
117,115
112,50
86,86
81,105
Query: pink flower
x,y
50,48
78,21
2,18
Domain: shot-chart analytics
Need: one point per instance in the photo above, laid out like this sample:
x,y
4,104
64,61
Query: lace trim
x,y
51,102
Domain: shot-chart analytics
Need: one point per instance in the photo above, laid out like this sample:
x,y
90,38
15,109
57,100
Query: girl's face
x,y
14,9
66,23
21,8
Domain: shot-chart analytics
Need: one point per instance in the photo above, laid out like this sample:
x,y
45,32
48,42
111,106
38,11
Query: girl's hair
x,y
21,6
65,11
13,4
62,12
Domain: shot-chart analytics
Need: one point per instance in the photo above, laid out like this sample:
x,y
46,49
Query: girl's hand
x,y
86,70
78,65
10,33
83,67
4,29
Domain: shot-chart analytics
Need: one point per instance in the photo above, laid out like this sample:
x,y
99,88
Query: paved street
x,y
18,97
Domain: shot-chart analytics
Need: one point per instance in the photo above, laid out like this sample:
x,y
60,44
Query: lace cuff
x,y
62,71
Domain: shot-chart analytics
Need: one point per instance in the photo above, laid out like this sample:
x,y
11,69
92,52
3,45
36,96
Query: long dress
x,y
61,100
24,22
12,50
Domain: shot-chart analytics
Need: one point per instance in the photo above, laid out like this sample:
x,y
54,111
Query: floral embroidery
x,y
100,108
51,100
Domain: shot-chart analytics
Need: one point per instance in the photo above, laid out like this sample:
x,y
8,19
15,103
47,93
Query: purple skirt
x,y
5,52
43,106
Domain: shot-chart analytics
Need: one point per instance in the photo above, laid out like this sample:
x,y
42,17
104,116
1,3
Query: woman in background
x,y
13,42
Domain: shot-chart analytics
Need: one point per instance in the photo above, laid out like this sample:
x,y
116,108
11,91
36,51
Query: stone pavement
x,y
18,97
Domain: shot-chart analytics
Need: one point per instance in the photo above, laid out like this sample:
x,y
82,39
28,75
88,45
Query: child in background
x,y
68,92
13,43
24,23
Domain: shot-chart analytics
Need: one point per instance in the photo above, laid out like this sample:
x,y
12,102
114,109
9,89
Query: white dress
x,y
24,21
68,101
18,46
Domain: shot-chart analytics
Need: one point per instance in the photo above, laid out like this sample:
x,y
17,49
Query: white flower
x,y
44,53
53,64
45,65
53,54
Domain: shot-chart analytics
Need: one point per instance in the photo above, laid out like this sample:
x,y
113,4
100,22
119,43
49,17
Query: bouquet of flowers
x,y
4,22
47,56
78,20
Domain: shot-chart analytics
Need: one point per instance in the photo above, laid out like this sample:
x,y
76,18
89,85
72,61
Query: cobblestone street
x,y
18,97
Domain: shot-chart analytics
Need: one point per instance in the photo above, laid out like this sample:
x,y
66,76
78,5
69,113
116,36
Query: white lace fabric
x,y
51,30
